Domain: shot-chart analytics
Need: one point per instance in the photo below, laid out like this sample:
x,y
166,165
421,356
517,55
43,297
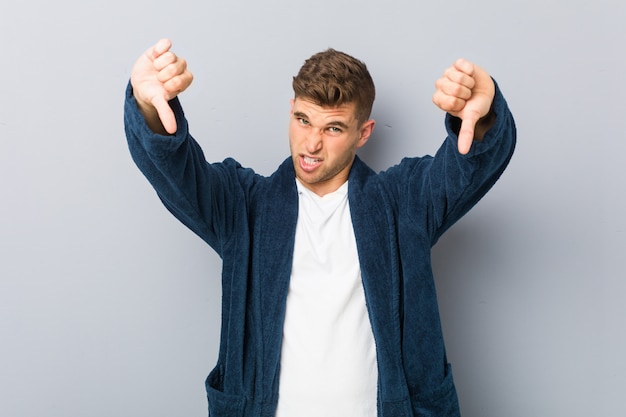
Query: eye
x,y
335,130
302,121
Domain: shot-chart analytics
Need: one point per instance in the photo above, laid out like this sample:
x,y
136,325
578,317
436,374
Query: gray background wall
x,y
108,306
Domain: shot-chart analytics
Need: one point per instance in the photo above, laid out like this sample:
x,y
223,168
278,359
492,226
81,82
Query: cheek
x,y
293,137
345,146
297,133
294,128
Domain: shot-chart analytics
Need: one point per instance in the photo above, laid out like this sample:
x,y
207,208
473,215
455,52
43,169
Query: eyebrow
x,y
300,115
335,123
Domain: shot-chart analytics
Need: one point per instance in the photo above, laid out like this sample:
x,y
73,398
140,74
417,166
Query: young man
x,y
329,305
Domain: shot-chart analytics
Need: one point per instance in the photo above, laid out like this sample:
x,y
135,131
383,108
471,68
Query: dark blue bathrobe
x,y
250,221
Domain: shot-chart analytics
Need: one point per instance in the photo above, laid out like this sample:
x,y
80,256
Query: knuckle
x,y
455,104
169,57
174,84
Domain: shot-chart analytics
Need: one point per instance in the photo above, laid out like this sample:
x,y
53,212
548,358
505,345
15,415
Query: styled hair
x,y
332,78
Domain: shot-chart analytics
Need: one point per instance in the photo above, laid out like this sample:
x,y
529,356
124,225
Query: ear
x,y
292,102
366,131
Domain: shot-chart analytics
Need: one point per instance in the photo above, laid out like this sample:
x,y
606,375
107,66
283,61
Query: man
x,y
329,305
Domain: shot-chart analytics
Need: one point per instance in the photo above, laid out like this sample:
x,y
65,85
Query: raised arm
x,y
157,77
466,91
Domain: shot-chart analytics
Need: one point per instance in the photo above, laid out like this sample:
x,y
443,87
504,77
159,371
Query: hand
x,y
157,77
465,91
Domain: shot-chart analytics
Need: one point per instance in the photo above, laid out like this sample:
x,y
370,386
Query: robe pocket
x,y
220,403
438,402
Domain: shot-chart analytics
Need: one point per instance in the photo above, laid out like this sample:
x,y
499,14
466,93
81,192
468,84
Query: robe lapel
x,y
374,229
276,237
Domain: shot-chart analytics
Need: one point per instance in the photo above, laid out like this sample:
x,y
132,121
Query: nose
x,y
314,140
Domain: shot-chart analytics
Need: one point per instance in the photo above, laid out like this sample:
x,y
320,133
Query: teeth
x,y
310,161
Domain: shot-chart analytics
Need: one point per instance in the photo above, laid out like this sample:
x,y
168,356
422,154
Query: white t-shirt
x,y
328,358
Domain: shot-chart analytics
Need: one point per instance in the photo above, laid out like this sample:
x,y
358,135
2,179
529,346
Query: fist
x,y
465,91
157,77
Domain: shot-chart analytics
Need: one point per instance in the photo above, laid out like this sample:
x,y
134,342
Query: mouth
x,y
308,163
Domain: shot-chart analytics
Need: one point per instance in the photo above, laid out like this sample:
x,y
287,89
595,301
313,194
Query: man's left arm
x,y
480,143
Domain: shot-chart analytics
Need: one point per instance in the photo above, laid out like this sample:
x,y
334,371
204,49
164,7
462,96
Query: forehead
x,y
345,112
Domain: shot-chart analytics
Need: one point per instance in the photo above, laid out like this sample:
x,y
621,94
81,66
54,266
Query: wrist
x,y
151,116
484,124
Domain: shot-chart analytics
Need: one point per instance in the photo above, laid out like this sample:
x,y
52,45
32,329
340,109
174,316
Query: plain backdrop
x,y
110,307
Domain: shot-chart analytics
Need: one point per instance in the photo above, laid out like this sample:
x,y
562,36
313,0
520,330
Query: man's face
x,y
323,142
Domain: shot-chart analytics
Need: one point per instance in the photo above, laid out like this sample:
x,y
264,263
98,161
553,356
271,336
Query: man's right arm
x,y
163,149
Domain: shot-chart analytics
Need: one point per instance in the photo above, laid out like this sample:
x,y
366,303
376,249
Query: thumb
x,y
166,115
466,135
